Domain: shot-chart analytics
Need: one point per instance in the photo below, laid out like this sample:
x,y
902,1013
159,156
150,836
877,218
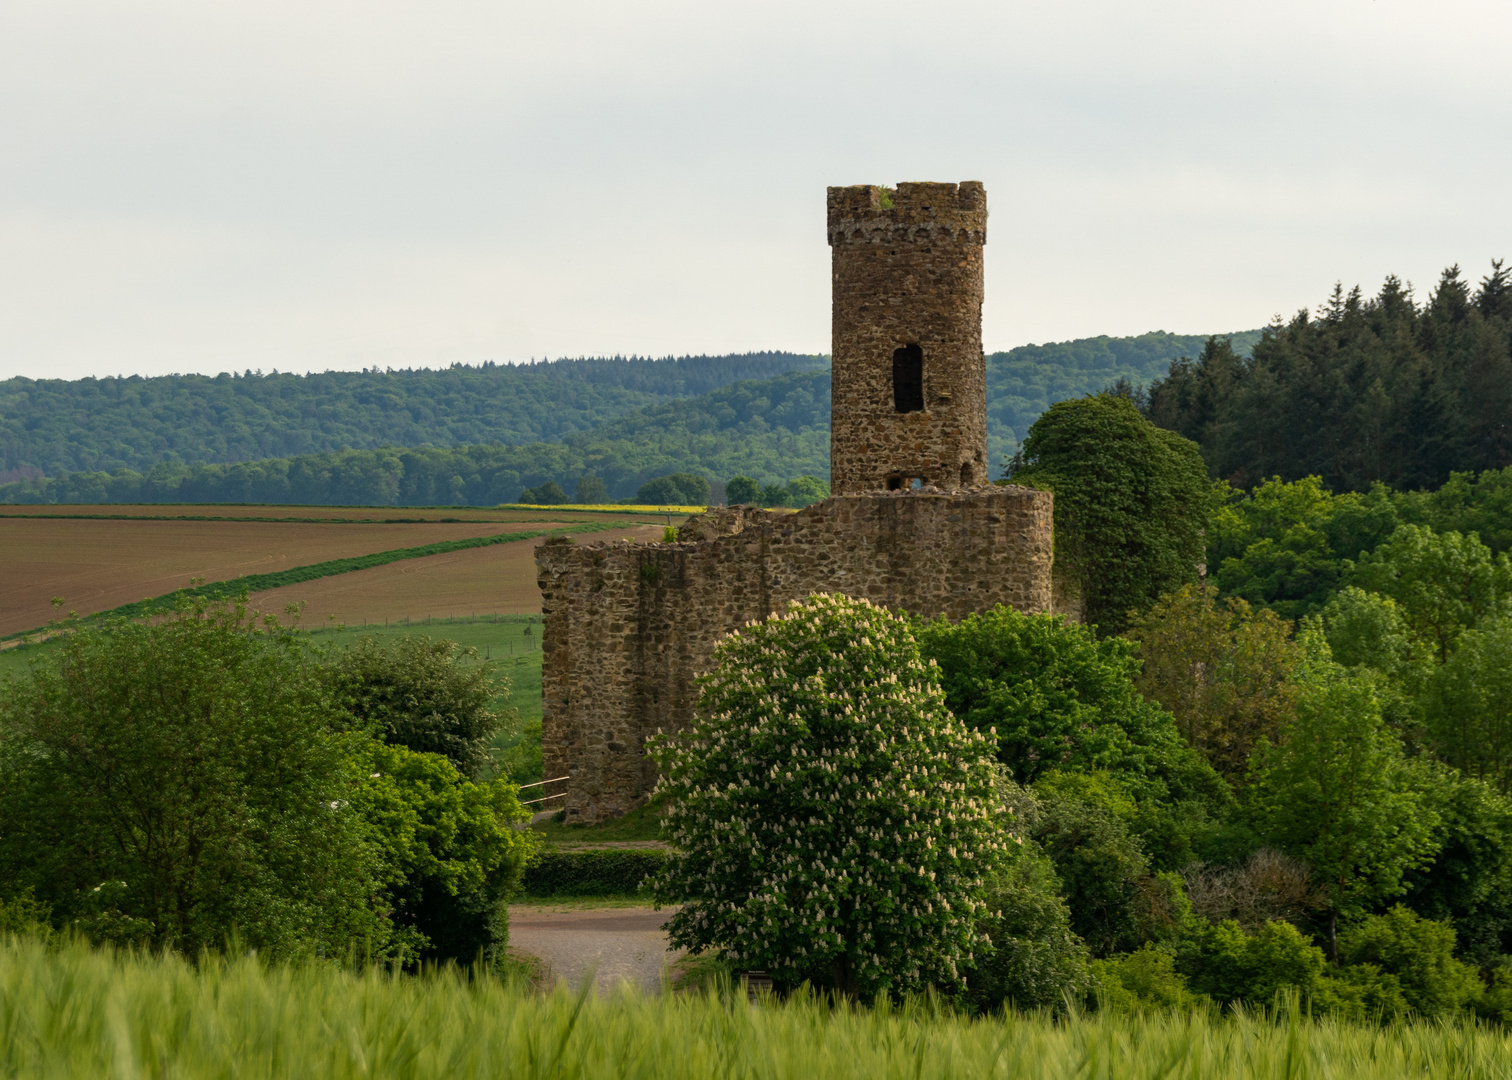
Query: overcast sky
x,y
305,184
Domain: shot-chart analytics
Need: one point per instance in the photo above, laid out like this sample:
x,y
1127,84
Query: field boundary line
x,y
297,575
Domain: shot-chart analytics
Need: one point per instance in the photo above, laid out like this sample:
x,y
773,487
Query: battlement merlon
x,y
954,211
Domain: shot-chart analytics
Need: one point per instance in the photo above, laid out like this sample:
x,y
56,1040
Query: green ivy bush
x,y
832,821
1131,502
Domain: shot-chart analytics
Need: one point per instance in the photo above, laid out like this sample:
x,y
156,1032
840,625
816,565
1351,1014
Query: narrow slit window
x,y
908,379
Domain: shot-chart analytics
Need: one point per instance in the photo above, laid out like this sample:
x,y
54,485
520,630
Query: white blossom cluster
x,y
831,819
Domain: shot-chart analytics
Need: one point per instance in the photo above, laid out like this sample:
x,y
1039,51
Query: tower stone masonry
x,y
908,378
913,523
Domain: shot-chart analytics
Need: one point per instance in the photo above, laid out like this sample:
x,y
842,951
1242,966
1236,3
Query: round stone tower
x,y
909,382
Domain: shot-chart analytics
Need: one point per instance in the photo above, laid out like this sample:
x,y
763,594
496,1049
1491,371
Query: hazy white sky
x,y
206,186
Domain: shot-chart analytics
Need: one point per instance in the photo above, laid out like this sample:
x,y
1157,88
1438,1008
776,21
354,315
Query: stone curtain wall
x,y
630,626
910,274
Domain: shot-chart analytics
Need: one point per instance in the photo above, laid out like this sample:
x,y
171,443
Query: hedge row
x,y
595,872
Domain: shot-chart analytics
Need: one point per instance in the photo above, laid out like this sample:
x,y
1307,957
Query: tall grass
x,y
74,1012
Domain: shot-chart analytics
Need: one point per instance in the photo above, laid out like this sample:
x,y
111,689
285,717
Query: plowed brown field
x,y
380,514
95,565
480,581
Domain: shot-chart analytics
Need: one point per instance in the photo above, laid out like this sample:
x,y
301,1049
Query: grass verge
x,y
642,823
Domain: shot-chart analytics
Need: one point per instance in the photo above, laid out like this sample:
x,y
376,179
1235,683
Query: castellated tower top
x,y
909,382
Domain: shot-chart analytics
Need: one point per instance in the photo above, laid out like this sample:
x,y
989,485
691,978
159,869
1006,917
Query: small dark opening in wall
x,y
968,474
908,379
894,483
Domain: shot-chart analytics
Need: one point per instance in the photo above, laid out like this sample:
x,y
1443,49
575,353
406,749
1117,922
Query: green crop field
x,y
74,1013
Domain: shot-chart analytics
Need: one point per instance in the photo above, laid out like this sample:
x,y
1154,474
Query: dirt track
x,y
617,944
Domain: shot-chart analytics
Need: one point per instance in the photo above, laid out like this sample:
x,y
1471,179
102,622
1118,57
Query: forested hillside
x,y
1024,382
722,434
625,421
1379,389
50,426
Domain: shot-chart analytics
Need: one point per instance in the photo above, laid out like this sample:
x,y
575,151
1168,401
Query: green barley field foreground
x,y
73,1012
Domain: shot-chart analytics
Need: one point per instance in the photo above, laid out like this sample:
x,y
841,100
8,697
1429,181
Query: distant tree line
x,y
770,429
288,438
53,426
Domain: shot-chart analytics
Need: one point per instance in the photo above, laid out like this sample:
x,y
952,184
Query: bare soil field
x,y
480,581
97,564
377,514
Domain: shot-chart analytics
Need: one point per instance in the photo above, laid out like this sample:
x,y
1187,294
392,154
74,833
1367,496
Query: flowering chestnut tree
x,y
831,820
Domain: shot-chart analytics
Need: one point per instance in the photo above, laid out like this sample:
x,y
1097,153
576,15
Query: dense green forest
x,y
53,426
1024,382
1365,390
480,435
720,434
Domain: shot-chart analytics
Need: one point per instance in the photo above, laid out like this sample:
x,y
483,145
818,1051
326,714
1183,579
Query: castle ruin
x,y
912,523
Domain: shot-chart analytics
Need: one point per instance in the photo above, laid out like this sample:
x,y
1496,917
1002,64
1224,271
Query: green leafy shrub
x,y
806,490
1144,979
24,915
1361,993
1101,868
451,858
677,489
590,489
548,494
416,692
1495,1001
1222,670
833,822
1469,704
1030,957
1057,698
174,783
1468,885
1339,794
742,490
1230,965
1445,583
594,872
1420,953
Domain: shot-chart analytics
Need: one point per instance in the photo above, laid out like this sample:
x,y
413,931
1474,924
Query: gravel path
x,y
619,944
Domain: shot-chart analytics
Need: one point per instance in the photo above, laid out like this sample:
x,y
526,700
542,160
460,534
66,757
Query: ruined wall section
x,y
630,626
907,274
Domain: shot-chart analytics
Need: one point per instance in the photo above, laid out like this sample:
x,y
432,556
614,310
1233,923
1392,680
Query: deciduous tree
x,y
832,820
1337,792
1222,670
